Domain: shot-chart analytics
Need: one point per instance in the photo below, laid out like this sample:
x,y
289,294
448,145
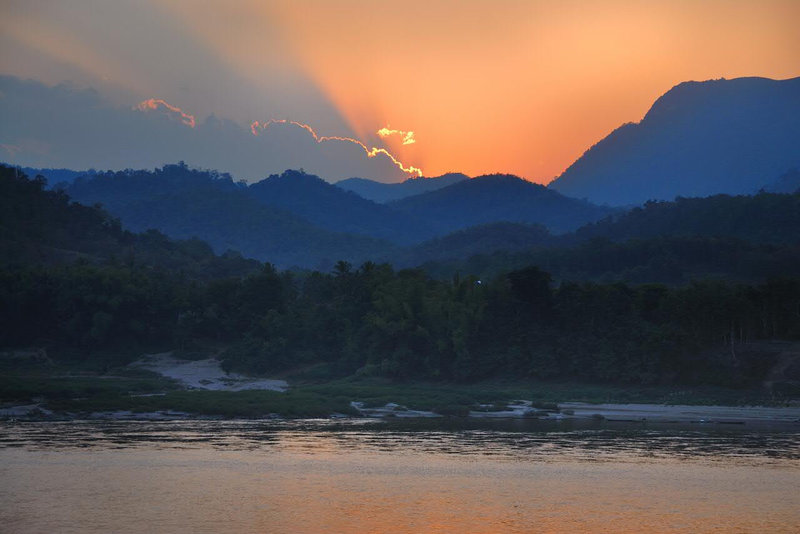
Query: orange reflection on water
x,y
360,481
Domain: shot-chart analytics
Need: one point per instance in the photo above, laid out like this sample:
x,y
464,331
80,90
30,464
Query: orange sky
x,y
486,86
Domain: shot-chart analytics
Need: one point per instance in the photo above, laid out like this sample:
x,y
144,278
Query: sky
x,y
381,90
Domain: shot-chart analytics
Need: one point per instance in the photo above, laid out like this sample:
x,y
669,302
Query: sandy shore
x,y
204,374
660,413
681,414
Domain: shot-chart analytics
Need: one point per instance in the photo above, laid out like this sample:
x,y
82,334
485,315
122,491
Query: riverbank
x,y
162,386
205,374
520,410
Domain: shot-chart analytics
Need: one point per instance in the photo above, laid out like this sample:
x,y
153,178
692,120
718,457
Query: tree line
x,y
403,324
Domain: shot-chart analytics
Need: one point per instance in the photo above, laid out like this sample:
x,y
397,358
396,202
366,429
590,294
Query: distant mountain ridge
x,y
45,228
744,237
789,182
761,218
499,198
185,203
57,176
297,219
382,192
332,208
698,139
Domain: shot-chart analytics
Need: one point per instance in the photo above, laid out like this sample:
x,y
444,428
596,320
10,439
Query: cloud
x,y
153,104
64,126
408,137
11,150
255,127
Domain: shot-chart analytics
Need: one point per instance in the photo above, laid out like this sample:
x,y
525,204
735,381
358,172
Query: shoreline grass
x,y
80,392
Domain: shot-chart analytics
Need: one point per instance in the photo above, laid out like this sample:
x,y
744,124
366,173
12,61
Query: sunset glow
x,y
257,126
523,86
408,137
153,104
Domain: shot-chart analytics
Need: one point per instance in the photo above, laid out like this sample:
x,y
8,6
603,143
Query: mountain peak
x,y
383,192
698,139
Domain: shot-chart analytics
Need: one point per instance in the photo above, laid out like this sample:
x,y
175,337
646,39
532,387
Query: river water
x,y
405,476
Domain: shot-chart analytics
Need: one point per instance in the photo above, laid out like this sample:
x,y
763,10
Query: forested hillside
x,y
299,220
401,324
185,203
327,206
381,192
760,218
744,238
45,228
375,320
499,198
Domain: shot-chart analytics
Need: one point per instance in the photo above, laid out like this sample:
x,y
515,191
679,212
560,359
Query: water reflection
x,y
404,476
514,440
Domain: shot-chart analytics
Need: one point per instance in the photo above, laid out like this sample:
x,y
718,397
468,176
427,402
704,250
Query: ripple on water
x,y
509,441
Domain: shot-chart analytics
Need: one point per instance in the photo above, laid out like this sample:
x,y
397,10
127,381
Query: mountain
x,y
334,209
662,260
185,203
45,228
483,239
762,218
381,192
57,176
498,198
789,182
732,237
698,139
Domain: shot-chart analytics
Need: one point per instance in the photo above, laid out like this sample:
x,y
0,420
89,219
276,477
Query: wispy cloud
x,y
408,137
65,126
256,127
153,104
12,150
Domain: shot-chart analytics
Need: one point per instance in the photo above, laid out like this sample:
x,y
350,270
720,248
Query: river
x,y
362,476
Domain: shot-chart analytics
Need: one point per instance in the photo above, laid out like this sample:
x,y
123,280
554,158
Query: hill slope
x,y
332,208
39,227
762,218
381,192
498,198
483,239
743,238
184,203
698,139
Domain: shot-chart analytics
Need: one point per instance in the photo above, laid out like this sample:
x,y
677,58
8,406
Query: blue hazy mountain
x,y
57,176
788,182
381,192
742,236
698,139
499,198
46,228
185,203
333,208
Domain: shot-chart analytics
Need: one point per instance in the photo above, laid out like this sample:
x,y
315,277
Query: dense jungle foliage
x,y
367,320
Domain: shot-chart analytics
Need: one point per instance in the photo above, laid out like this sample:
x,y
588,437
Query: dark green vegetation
x,y
373,321
39,227
61,390
741,238
761,218
374,332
